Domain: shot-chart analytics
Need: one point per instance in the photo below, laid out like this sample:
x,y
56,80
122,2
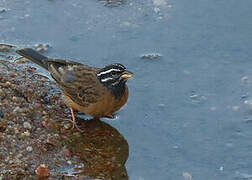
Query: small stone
x,y
40,49
2,127
38,45
31,69
161,105
17,109
42,171
151,56
244,79
43,123
1,92
66,152
69,162
247,102
15,99
25,134
187,176
27,125
16,131
2,10
156,10
47,45
29,149
13,75
6,84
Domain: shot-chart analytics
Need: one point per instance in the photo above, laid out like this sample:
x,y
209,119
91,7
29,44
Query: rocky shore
x,y
37,139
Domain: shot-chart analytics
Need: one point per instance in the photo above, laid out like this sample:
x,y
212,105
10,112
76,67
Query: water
x,y
186,110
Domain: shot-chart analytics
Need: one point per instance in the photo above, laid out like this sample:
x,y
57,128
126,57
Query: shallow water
x,y
189,110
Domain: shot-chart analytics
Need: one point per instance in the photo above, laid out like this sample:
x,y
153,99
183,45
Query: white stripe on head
x,y
108,71
106,79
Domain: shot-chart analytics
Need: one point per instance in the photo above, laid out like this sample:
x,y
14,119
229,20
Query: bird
x,y
98,92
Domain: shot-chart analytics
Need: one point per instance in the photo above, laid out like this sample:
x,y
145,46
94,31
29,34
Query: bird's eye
x,y
113,73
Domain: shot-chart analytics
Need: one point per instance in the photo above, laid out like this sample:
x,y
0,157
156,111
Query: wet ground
x,y
189,112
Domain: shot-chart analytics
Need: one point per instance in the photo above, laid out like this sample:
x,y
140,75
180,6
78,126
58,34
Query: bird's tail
x,y
34,56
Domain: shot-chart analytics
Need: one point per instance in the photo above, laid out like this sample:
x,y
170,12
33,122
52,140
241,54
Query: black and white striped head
x,y
114,77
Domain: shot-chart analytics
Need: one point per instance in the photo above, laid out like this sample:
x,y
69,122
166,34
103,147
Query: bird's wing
x,y
77,81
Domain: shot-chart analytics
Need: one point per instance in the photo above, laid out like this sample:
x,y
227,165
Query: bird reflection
x,y
102,150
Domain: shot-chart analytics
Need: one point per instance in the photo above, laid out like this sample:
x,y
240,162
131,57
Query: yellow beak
x,y
126,75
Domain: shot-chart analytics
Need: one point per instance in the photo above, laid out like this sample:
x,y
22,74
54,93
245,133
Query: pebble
x,y
17,109
27,125
6,85
25,134
1,92
2,10
29,149
66,152
69,162
187,176
2,127
151,56
42,171
1,138
244,79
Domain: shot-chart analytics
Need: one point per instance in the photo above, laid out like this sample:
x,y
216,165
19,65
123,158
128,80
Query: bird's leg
x,y
74,121
73,117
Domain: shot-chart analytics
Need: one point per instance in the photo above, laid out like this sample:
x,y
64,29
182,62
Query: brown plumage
x,y
98,92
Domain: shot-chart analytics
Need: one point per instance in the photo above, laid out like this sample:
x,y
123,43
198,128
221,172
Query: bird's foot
x,y
74,125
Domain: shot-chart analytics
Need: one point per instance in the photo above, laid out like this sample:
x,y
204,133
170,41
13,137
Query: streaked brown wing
x,y
77,81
